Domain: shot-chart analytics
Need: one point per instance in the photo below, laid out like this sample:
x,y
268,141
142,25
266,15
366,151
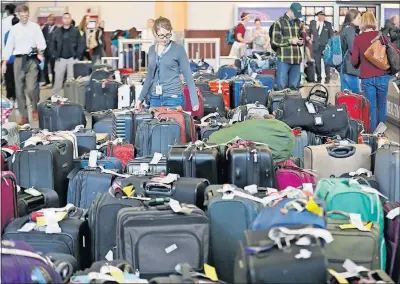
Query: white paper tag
x,y
117,76
92,162
344,143
393,213
144,167
372,190
156,158
304,253
175,206
27,227
170,178
252,189
52,225
158,90
171,248
32,191
355,219
351,267
228,196
254,75
308,187
297,206
110,255
304,241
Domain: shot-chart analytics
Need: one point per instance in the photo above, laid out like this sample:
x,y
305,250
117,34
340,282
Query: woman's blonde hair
x,y
83,24
368,21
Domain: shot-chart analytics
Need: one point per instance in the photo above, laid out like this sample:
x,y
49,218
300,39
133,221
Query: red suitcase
x,y
188,105
222,87
357,107
124,152
9,201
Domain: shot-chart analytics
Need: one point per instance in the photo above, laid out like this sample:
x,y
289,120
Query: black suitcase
x,y
192,161
354,129
157,136
101,74
25,134
203,86
104,211
82,69
185,190
204,132
213,103
251,164
250,94
86,140
275,265
142,166
309,70
74,238
100,115
102,95
60,117
275,98
28,203
44,166
156,239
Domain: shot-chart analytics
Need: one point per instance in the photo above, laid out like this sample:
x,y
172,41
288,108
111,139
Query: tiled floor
x,y
393,132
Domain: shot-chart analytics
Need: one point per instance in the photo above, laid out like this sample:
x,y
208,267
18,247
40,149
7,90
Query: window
x,y
310,11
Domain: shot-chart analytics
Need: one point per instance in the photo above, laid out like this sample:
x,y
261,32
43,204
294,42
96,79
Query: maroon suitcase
x,y
9,199
392,237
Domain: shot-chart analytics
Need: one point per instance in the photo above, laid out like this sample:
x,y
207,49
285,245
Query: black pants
x,y
48,60
10,81
318,65
143,58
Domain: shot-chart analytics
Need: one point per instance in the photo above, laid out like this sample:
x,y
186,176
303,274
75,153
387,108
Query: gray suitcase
x,y
75,90
155,239
387,171
9,132
364,246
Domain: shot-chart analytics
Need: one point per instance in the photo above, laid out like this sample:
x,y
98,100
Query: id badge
x,y
159,90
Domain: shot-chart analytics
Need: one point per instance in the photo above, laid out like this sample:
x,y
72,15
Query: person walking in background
x,y
48,31
9,75
259,38
66,47
27,43
98,47
374,81
286,36
349,75
167,60
321,32
82,28
239,46
393,30
6,23
147,34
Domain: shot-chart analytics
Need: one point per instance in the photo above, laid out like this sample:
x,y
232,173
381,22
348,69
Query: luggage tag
x,y
310,108
177,208
318,120
313,207
156,159
113,271
158,89
355,219
393,213
33,192
92,163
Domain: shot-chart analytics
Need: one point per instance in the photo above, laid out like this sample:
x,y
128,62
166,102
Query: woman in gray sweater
x,y
349,75
167,60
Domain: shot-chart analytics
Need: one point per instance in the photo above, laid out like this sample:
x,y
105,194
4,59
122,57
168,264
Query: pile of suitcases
x,y
299,192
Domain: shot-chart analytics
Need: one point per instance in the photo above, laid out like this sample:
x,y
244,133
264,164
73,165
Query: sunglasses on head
x,y
164,36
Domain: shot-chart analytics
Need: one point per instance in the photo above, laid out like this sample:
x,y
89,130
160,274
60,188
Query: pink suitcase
x,y
9,201
288,174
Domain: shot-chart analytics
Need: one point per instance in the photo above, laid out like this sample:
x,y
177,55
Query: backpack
x,y
230,36
271,29
333,54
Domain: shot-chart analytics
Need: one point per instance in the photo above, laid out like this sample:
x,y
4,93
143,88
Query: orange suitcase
x,y
221,87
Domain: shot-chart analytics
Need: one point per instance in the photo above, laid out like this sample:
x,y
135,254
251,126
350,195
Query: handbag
x,y
376,53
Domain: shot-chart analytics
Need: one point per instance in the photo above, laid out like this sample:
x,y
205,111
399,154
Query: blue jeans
x,y
375,90
287,75
167,101
349,82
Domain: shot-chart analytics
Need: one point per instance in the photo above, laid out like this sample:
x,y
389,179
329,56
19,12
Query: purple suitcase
x,y
392,237
9,207
19,268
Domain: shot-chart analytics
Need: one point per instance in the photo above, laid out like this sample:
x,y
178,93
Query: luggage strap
x,y
20,252
278,233
228,192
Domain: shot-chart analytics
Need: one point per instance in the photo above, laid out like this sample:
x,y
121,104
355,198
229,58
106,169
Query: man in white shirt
x,y
6,22
27,43
147,34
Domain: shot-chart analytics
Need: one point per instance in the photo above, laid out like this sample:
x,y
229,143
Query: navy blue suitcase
x,y
107,125
226,72
82,69
86,140
102,160
268,81
225,234
124,126
236,87
60,117
101,95
84,185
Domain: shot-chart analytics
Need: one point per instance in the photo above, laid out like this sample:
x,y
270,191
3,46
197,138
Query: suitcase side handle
x,y
338,212
62,148
158,188
341,152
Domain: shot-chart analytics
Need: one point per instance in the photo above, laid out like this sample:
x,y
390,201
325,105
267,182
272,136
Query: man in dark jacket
x,y
66,47
48,31
394,30
320,31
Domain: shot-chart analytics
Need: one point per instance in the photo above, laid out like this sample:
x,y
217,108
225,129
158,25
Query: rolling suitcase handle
x,y
341,152
62,148
158,188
